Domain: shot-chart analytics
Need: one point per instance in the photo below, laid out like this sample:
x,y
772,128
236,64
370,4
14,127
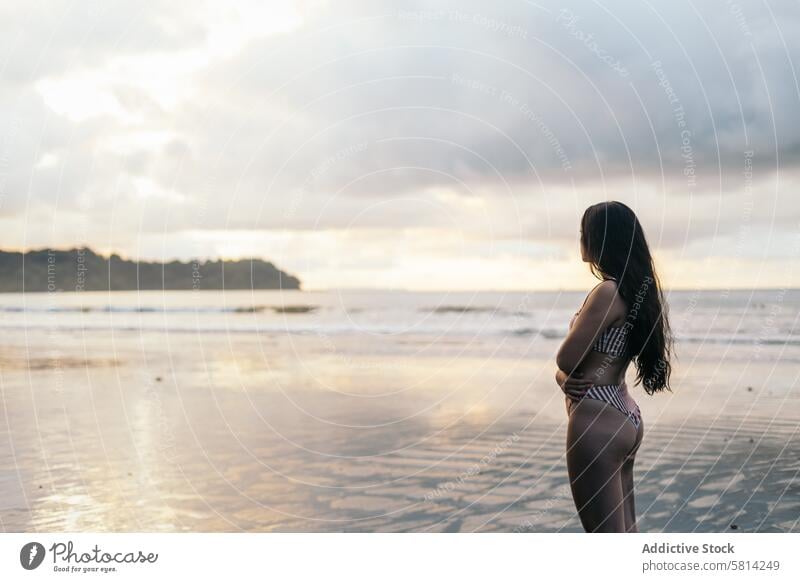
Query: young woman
x,y
623,319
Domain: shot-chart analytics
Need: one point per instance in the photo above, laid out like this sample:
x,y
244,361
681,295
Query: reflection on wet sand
x,y
261,434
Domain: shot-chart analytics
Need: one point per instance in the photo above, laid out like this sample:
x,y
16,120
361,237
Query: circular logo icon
x,y
31,555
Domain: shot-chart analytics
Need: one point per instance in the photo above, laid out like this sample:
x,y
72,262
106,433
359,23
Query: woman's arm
x,y
574,387
597,314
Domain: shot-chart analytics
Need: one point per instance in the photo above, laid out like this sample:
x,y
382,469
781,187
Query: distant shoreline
x,y
81,269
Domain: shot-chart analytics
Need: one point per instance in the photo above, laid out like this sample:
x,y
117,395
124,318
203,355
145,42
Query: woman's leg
x,y
599,439
627,485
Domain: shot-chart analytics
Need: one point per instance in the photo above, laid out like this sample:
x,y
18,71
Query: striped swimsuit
x,y
613,341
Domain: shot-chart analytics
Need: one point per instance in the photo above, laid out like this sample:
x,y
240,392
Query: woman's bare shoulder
x,y
605,297
604,292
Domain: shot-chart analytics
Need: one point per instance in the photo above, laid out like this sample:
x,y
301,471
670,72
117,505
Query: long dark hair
x,y
614,244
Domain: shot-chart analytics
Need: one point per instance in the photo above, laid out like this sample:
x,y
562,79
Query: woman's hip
x,y
599,428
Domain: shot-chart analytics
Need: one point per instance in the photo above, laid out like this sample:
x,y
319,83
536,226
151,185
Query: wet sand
x,y
181,432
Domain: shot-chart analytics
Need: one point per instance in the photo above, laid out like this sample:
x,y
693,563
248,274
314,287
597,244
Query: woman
x,y
623,319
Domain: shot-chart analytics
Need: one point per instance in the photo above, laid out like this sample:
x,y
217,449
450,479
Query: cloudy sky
x,y
425,145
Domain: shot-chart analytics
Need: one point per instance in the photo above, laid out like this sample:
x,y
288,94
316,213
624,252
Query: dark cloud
x,y
554,104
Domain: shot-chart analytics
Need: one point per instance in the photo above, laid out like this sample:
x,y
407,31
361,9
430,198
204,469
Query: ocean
x,y
374,411
746,317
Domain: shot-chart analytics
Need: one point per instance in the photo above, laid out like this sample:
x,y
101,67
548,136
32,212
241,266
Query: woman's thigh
x,y
599,439
627,484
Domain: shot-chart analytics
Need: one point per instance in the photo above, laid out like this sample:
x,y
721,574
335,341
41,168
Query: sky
x,y
415,145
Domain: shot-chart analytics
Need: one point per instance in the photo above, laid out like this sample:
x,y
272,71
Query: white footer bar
x,y
400,557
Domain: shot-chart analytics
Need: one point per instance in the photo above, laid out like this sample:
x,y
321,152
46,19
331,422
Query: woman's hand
x,y
573,386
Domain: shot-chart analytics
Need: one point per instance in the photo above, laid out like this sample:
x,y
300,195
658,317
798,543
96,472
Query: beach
x,y
374,411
